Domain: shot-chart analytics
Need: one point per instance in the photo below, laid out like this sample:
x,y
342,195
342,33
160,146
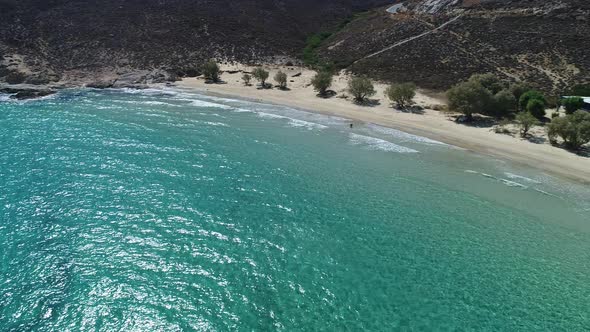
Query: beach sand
x,y
429,123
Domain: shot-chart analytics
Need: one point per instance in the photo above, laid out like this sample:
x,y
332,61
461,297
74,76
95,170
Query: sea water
x,y
166,210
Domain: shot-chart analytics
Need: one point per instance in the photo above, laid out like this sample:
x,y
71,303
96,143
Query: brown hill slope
x,y
543,42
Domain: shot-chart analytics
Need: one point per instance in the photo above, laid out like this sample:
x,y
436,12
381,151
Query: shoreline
x,y
431,124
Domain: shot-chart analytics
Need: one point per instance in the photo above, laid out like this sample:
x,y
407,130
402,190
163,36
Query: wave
x,y
292,122
520,177
504,181
202,103
379,144
403,136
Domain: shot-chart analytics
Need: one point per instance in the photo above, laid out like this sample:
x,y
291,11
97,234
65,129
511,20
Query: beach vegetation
x,y
261,76
572,104
536,107
573,129
502,104
525,122
246,78
361,88
281,79
489,81
468,98
582,90
322,81
401,94
211,71
518,89
527,96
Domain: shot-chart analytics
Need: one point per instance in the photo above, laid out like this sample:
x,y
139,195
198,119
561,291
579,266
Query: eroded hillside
x,y
437,43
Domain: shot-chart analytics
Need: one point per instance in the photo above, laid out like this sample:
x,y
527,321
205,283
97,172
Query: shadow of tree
x,y
368,102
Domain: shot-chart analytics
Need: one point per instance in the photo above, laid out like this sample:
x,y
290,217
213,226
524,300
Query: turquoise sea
x,y
166,210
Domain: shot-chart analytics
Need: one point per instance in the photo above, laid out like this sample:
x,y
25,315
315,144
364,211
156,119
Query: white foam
x,y
202,103
378,144
520,177
292,122
403,136
5,97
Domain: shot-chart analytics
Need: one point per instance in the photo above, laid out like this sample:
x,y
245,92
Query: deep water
x,y
165,210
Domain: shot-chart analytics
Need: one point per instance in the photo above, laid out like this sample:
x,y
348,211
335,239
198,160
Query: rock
x,y
296,75
21,94
100,84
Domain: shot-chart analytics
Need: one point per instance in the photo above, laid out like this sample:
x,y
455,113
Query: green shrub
x,y
401,94
518,89
537,108
321,82
361,88
526,121
572,104
582,90
574,129
281,79
527,96
211,71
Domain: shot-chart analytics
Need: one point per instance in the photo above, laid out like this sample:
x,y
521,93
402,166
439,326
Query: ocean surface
x,y
166,210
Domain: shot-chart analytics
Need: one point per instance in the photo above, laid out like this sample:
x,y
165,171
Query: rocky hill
x,y
437,43
434,43
43,40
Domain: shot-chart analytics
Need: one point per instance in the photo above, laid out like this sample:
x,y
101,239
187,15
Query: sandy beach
x,y
429,123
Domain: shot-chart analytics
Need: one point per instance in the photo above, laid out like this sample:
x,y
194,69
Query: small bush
x,y
574,129
246,78
211,71
322,81
281,79
401,94
261,75
361,88
572,104
526,121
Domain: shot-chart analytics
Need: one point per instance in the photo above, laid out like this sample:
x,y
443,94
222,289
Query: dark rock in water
x,y
22,94
100,84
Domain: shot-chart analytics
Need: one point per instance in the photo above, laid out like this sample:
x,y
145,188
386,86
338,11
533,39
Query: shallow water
x,y
164,210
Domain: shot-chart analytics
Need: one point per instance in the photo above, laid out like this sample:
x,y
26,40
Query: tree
x,y
281,79
361,88
572,104
537,108
574,129
468,98
501,104
518,89
261,75
527,96
246,78
488,81
321,82
526,121
401,94
211,71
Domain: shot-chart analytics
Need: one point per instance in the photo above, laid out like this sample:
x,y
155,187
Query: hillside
x,y
538,41
49,39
